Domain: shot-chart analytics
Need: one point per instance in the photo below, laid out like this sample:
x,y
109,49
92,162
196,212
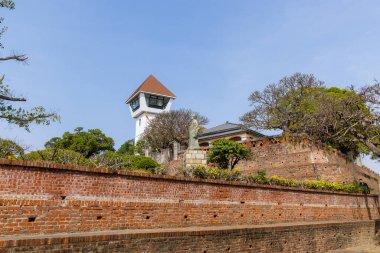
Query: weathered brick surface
x,y
306,161
41,198
296,238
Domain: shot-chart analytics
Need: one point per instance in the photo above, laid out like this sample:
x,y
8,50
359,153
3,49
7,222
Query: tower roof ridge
x,y
152,85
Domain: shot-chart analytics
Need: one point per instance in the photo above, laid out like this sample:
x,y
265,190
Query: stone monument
x,y
193,133
194,156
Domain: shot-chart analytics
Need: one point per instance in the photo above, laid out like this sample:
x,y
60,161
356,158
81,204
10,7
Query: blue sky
x,y
87,57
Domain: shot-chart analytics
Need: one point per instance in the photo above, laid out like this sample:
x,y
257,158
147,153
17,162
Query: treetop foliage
x,y
127,148
346,119
7,4
10,149
227,153
87,143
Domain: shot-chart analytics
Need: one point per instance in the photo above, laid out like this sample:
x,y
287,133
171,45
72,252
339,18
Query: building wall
x,y
141,122
43,198
144,114
303,160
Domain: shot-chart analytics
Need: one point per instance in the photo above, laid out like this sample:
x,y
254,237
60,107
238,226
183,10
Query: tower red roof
x,y
152,85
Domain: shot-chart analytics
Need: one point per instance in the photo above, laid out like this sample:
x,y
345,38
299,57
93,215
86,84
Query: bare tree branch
x,y
12,98
20,58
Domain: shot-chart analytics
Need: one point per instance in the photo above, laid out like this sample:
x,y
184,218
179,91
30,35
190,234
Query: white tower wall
x,y
144,114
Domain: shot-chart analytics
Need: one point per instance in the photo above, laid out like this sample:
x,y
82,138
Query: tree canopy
x,y
94,141
346,119
170,126
127,148
227,153
8,111
10,149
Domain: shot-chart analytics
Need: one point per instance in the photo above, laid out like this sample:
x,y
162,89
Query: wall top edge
x,y
56,167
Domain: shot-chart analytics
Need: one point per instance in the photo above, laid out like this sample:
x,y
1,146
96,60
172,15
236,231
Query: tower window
x,y
135,104
157,101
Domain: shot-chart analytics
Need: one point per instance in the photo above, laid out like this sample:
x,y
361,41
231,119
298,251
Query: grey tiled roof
x,y
223,127
226,129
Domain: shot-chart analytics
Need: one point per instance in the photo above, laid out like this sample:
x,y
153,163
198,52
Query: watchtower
x,y
148,100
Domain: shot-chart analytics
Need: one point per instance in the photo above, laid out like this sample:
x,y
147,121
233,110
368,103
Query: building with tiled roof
x,y
230,131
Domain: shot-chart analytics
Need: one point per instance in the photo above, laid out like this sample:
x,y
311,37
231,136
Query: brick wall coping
x,y
110,235
65,167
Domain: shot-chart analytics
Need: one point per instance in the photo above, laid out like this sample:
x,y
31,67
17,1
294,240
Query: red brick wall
x,y
38,198
306,161
295,238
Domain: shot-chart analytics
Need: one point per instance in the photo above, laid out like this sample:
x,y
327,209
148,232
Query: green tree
x,y
8,111
94,141
168,127
227,153
127,148
10,149
346,119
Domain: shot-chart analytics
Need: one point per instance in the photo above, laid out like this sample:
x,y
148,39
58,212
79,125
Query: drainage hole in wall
x,y
63,197
215,215
300,214
99,217
147,217
241,215
242,202
185,216
285,242
262,215
279,214
32,219
250,246
228,249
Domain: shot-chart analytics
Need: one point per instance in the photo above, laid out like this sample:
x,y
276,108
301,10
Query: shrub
x,y
199,172
355,187
275,180
108,159
142,162
227,153
117,161
259,178
56,155
212,173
